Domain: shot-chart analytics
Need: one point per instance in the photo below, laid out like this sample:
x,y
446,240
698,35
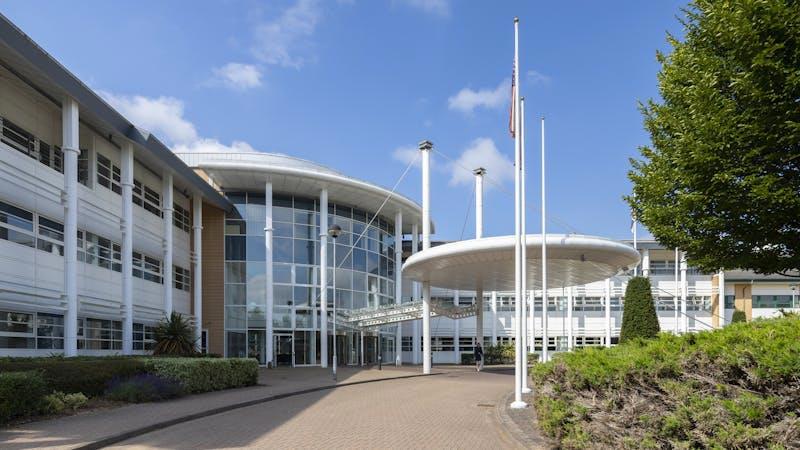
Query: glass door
x,y
256,346
284,349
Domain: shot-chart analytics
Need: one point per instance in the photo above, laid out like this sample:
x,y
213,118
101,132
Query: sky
x,y
355,85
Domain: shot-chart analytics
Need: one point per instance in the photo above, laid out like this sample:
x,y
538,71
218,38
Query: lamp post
x,y
334,231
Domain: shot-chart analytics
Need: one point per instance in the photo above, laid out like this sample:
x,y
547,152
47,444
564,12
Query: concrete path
x,y
453,409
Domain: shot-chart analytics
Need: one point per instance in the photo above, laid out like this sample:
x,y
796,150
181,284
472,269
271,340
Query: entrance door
x,y
256,346
284,350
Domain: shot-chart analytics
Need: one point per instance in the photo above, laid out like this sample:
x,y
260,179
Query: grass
x,y
738,387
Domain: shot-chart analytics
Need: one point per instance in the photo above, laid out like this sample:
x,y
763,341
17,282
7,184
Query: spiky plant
x,y
174,336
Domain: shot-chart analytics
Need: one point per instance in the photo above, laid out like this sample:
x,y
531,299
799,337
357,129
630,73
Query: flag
x,y
513,110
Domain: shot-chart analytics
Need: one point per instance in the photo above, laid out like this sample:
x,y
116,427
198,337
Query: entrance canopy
x,y
488,263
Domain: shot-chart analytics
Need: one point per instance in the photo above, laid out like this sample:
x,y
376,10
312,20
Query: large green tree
x,y
721,179
639,317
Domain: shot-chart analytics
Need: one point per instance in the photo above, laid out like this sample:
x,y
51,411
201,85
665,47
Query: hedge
x,y
21,394
205,374
71,375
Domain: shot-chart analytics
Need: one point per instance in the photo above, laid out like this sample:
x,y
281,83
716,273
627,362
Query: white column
x,y
677,293
479,173
608,311
524,265
646,262
71,149
425,147
126,226
721,287
415,293
684,294
323,277
166,209
398,283
545,312
570,307
197,270
268,230
362,344
456,331
494,318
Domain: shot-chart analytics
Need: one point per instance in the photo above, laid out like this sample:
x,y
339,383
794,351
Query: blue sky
x,y
354,84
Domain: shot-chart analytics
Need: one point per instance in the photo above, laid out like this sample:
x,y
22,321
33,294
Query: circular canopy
x,y
488,263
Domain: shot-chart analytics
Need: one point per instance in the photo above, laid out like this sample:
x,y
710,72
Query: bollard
x,y
380,362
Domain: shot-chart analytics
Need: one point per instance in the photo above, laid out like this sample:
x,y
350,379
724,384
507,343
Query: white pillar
x,y
268,230
479,173
570,307
684,294
415,294
71,148
646,262
677,292
608,311
362,344
494,318
545,309
721,287
456,331
425,147
197,270
398,283
126,226
323,278
524,265
167,211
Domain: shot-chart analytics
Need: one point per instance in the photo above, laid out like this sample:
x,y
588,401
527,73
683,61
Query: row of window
x,y
36,231
44,331
767,301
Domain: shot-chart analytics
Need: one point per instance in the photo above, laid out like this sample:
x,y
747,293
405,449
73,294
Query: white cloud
x,y
466,100
481,152
284,40
238,76
163,116
536,77
435,7
406,153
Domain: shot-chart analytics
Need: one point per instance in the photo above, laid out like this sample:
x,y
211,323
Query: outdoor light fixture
x,y
334,231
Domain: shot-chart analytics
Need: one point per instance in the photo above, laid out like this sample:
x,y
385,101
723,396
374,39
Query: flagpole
x,y
635,247
524,266
545,356
517,403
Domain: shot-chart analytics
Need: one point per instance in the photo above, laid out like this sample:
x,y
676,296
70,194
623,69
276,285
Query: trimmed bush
x,y
467,359
58,402
736,387
144,388
205,374
21,394
738,316
499,354
72,375
639,318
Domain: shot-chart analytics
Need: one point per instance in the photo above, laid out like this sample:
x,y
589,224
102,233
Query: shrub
x,y
499,354
639,318
174,336
738,316
467,359
206,374
58,402
143,388
21,394
72,375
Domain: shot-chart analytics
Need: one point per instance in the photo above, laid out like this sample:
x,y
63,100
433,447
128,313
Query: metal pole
x,y
425,147
334,308
524,250
675,298
545,338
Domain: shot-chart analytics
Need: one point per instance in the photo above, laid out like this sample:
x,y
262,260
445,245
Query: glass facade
x,y
364,272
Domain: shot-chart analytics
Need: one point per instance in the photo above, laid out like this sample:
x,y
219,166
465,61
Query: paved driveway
x,y
453,410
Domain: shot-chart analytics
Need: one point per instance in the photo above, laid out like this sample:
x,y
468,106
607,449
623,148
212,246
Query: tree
x,y
639,319
721,179
738,316
174,336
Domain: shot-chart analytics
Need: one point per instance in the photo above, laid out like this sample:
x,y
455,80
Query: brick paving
x,y
457,409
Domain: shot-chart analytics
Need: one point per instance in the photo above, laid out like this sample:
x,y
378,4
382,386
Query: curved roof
x,y
488,263
249,171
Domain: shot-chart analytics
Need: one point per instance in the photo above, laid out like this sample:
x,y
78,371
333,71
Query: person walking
x,y
478,353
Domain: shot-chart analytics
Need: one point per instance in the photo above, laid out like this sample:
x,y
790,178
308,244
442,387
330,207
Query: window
x,y
774,301
16,330
147,198
16,225
182,278
147,268
51,157
143,337
51,236
108,174
99,334
442,344
181,218
49,331
83,167
99,251
466,344
407,344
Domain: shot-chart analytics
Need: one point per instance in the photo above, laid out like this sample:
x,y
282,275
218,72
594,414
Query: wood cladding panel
x,y
213,273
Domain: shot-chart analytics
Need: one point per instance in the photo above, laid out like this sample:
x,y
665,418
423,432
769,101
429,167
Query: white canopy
x,y
488,263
